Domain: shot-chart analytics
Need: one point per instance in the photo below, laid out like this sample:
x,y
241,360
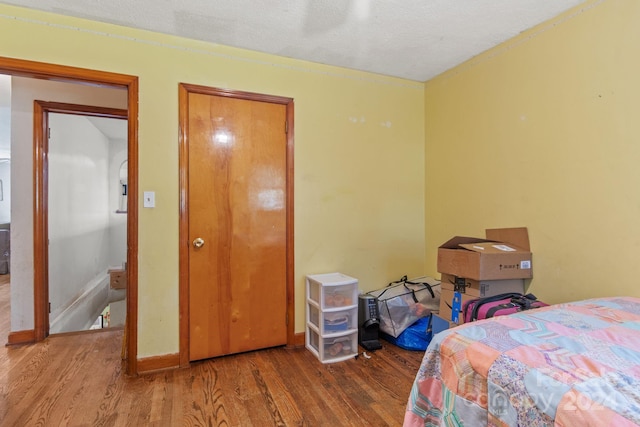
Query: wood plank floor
x,y
78,380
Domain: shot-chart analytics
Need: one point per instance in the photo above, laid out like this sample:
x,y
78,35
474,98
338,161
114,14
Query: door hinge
x,y
49,308
48,133
286,319
286,126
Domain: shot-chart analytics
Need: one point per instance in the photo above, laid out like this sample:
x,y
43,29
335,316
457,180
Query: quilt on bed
x,y
573,364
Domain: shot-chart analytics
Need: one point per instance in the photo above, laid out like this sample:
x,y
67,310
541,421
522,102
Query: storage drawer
x,y
334,321
334,348
332,290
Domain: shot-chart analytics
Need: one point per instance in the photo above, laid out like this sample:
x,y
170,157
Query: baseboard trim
x,y
22,337
148,365
298,340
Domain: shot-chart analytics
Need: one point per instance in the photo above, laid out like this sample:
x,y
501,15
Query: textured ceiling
x,y
413,39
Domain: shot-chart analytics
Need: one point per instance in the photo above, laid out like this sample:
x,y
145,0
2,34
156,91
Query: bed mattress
x,y
573,364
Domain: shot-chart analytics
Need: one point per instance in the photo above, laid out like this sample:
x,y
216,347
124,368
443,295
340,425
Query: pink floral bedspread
x,y
574,364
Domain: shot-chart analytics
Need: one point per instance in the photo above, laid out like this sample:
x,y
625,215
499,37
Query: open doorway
x,y
79,232
30,319
5,207
86,150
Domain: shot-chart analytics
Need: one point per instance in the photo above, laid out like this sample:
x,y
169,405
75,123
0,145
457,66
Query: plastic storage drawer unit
x,y
332,316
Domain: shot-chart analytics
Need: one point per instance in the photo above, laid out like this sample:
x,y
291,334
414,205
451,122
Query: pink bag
x,y
499,305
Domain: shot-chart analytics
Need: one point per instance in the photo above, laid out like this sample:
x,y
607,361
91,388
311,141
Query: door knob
x,y
198,242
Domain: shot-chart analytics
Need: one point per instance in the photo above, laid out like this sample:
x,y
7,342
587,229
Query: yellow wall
x,y
359,149
544,132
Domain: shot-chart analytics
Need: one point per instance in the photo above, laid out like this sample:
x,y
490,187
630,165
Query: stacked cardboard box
x,y
475,268
118,278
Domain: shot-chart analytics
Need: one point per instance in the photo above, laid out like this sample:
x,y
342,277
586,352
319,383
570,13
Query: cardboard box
x,y
503,254
447,304
481,288
118,279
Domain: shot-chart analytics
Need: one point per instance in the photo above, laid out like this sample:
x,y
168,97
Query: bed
x,y
573,364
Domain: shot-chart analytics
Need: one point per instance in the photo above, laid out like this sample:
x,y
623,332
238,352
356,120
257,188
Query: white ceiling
x,y
413,39
113,129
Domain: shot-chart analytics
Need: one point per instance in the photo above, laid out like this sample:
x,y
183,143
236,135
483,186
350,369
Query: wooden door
x,y
237,199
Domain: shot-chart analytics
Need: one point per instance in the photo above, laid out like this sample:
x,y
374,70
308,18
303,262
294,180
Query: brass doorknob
x,y
198,242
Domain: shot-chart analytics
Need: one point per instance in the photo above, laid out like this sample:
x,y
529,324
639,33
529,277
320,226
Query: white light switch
x,y
149,199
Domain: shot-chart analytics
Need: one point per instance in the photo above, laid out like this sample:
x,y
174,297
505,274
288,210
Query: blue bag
x,y
415,337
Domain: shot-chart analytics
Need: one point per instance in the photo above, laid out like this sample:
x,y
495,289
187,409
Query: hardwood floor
x,y
78,380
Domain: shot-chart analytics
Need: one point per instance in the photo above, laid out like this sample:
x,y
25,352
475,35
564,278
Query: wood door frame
x,y
184,89
62,73
41,111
